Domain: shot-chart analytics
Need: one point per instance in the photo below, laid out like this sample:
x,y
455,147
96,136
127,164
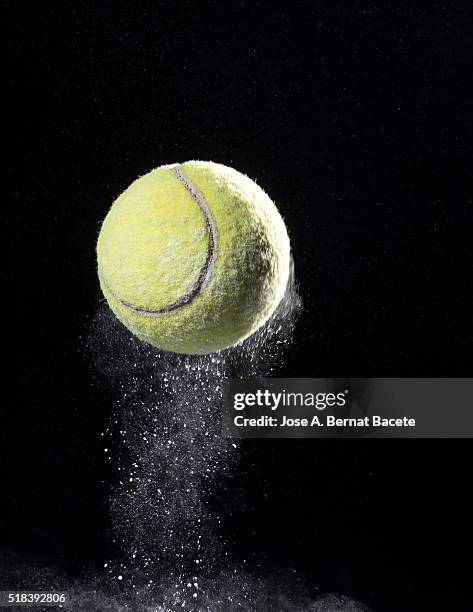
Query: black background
x,y
356,118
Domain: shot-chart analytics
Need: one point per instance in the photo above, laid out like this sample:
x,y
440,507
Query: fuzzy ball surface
x,y
193,257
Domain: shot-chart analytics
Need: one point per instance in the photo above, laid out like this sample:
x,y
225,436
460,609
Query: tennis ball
x,y
193,257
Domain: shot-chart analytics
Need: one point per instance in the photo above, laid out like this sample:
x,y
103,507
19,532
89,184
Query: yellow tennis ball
x,y
193,257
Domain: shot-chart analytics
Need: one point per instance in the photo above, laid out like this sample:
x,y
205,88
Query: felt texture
x,y
154,243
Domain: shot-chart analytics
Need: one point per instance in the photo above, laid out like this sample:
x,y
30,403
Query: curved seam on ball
x,y
208,267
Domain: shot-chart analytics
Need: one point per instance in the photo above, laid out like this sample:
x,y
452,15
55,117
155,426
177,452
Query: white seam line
x,y
209,264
